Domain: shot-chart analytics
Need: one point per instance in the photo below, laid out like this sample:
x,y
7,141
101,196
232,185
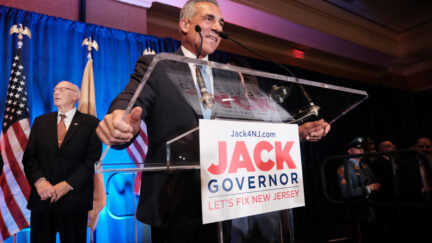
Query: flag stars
x,y
16,107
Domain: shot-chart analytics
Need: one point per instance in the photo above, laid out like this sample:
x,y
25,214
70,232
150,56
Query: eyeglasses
x,y
62,89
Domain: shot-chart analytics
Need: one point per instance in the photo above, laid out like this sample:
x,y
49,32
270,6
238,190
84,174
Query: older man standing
x,y
59,164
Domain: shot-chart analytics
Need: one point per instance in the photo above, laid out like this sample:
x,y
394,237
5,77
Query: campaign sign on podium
x,y
248,168
250,165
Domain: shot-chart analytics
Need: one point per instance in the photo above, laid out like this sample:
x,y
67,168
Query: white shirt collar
x,y
69,115
189,54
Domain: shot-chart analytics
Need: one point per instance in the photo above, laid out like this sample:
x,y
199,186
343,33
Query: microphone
x,y
313,109
223,35
206,98
198,30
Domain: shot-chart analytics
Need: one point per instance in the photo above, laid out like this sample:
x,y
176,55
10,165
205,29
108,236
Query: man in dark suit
x,y
171,202
59,164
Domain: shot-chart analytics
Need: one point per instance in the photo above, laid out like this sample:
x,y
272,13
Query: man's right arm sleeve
x,y
30,163
146,96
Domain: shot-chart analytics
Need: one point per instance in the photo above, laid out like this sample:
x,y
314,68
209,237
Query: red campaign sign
x,y
249,168
242,159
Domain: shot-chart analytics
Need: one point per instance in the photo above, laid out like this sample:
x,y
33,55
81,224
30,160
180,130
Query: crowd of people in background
x,y
388,190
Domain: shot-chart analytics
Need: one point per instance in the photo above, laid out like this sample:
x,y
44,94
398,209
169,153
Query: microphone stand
x,y
206,99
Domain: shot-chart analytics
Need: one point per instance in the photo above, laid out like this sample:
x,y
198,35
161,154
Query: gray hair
x,y
188,11
77,89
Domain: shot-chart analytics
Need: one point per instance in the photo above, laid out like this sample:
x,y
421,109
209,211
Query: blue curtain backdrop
x,y
55,53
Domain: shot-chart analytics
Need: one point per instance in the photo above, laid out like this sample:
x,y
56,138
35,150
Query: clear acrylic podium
x,y
247,95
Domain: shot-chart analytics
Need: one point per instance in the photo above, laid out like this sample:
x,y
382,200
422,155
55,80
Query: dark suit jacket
x,y
175,196
72,162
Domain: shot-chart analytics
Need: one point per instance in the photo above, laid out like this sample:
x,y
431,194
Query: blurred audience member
x,y
424,146
414,188
356,178
357,183
369,147
385,169
386,146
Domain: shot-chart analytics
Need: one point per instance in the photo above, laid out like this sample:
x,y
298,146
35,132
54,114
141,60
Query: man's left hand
x,y
60,190
313,131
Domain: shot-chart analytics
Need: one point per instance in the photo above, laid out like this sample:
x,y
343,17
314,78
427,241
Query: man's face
x,y
355,150
209,18
370,147
386,146
65,95
424,145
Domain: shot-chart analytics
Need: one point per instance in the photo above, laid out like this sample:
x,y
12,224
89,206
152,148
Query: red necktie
x,y
61,130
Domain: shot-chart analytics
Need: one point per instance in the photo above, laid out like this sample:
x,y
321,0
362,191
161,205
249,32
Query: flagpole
x,y
87,105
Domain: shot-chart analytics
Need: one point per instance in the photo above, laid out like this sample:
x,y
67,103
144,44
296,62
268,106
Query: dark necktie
x,y
61,130
206,98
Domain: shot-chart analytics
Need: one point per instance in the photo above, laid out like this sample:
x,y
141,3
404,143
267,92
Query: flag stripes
x,y
13,151
14,188
137,152
12,205
4,233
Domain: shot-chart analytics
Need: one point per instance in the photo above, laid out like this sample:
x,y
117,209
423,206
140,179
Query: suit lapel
x,y
181,68
73,127
52,128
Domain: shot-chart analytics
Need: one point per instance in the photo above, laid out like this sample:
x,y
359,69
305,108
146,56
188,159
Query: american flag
x,y
137,151
14,188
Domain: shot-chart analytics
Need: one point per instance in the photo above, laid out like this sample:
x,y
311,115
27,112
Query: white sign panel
x,y
248,168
